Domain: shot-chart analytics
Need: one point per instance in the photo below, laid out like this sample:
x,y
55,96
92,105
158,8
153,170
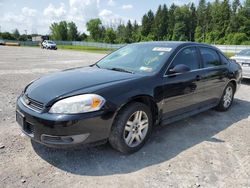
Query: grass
x,y
229,54
86,49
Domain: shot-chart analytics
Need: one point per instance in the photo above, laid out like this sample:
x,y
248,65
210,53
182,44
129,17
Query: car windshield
x,y
51,42
245,52
145,58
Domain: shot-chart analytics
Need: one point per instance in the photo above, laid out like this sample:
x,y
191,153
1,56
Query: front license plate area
x,y
20,119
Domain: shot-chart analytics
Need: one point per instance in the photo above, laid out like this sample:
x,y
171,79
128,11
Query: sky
x,y
35,16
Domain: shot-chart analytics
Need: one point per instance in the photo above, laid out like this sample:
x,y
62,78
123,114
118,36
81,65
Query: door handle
x,y
198,78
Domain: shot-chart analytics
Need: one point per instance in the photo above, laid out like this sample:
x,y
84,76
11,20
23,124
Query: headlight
x,y
78,104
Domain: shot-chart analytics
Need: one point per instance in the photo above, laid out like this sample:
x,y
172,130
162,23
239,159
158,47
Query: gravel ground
x,y
211,149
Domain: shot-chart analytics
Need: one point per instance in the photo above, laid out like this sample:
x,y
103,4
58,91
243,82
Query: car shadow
x,y
166,142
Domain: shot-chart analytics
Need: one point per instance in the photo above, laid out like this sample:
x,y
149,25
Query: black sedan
x,y
123,96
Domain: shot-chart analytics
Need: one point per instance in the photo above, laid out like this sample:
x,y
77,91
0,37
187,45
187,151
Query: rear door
x,y
214,74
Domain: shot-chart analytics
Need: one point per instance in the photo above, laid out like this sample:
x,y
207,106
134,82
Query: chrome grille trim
x,y
32,104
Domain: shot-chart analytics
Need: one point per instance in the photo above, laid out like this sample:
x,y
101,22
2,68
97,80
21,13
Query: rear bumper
x,y
246,72
57,130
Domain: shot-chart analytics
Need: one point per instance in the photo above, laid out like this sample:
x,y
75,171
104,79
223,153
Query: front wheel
x,y
227,98
131,128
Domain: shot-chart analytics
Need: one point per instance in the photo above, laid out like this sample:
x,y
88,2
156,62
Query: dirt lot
x,y
211,149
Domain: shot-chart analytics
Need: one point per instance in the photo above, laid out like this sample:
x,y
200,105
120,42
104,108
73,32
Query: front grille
x,y
33,104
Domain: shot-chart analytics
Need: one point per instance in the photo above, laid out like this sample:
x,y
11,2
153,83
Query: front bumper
x,y
57,130
52,47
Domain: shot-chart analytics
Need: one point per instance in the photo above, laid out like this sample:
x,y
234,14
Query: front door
x,y
182,90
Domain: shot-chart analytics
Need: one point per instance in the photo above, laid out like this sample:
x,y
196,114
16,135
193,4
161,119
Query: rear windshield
x,y
245,52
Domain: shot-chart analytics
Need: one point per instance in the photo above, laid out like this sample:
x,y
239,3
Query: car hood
x,y
63,83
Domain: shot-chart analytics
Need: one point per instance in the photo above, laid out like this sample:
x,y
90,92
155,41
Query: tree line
x,y
218,22
15,35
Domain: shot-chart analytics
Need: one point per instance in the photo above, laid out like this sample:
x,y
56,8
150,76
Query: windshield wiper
x,y
97,65
121,70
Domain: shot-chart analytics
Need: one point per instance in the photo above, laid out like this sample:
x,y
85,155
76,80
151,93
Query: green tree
x,y
234,23
110,36
164,22
161,23
158,24
244,19
182,23
179,31
7,36
95,28
192,22
198,34
121,32
171,21
225,16
129,32
73,34
59,31
83,37
147,23
201,18
235,6
136,34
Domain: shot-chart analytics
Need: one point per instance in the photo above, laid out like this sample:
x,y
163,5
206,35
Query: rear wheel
x,y
227,98
131,128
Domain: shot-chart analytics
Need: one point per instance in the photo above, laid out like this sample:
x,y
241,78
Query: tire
x,y
126,127
227,98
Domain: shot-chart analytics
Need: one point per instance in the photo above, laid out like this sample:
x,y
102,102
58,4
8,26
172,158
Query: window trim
x,y
180,50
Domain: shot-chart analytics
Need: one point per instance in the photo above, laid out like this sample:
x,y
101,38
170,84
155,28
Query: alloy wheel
x,y
136,128
228,97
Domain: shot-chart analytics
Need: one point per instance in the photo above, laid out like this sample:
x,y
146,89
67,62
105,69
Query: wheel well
x,y
234,84
150,103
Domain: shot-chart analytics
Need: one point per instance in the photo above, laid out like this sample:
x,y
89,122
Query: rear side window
x,y
223,59
188,57
210,57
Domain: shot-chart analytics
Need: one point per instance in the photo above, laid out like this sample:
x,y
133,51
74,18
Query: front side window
x,y
210,57
188,57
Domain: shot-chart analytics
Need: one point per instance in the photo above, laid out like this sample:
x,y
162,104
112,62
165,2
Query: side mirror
x,y
181,68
